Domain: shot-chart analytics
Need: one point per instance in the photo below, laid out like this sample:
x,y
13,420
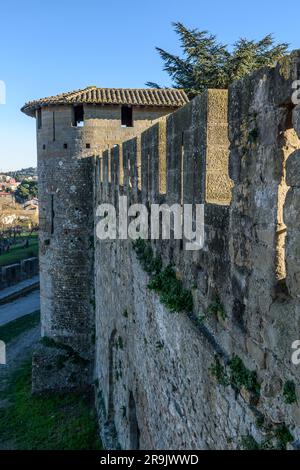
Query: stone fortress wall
x,y
219,376
222,376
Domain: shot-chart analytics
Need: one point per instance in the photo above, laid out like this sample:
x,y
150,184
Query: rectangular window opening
x,y
126,116
182,170
78,116
39,118
129,170
53,127
52,214
148,184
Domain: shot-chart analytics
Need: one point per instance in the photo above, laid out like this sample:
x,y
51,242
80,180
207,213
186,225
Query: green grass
x,y
283,436
53,422
242,377
219,372
22,237
171,290
249,443
13,329
19,253
47,421
289,392
216,308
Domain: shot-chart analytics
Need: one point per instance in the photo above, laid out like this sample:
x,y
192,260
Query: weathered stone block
x,y
58,368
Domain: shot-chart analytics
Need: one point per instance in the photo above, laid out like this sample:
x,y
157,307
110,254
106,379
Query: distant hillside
x,y
22,174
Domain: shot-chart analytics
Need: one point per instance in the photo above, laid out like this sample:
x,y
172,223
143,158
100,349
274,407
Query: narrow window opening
x,y
88,146
163,158
44,147
129,170
53,123
101,170
52,214
39,118
111,407
126,116
148,177
182,170
78,116
65,146
109,165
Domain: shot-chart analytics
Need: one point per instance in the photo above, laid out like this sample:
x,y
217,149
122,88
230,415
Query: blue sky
x,y
52,46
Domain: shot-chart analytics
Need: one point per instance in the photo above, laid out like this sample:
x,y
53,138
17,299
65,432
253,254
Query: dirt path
x,y
18,350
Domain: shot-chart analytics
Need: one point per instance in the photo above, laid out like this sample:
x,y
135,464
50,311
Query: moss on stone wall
x,y
163,280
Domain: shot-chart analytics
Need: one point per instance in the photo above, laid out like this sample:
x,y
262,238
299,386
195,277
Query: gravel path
x,y
18,287
19,307
17,351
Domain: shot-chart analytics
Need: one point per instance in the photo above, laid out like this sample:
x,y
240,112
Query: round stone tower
x,y
71,128
65,176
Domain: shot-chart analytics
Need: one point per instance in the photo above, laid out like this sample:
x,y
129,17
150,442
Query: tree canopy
x,y
26,190
206,63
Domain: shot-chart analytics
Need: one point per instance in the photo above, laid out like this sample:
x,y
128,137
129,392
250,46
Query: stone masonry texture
x,y
217,377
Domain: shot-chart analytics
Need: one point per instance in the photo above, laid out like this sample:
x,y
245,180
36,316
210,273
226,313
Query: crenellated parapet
x,y
238,157
181,158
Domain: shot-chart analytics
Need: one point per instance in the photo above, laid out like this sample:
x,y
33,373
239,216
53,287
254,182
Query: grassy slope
x,y
18,253
43,422
51,422
14,328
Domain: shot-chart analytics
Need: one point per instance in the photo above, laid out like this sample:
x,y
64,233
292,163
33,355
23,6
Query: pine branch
x,y
206,63
153,85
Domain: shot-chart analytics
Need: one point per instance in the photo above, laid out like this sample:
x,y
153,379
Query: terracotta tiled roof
x,y
165,97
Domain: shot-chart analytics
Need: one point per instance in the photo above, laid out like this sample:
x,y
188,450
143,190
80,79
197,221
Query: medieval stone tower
x,y
70,128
